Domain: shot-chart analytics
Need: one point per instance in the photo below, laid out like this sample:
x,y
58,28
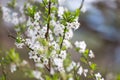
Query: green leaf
x,y
53,9
12,4
45,1
60,40
77,49
77,12
43,41
18,40
67,61
64,48
71,16
29,73
13,56
93,66
21,28
55,77
2,77
47,78
85,54
31,11
83,60
118,77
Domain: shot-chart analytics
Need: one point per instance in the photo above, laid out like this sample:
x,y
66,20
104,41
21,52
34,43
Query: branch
x,y
23,42
63,38
61,45
82,4
47,67
47,34
48,24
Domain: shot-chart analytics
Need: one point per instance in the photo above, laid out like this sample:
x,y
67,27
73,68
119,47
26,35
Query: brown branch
x,y
9,35
48,24
47,33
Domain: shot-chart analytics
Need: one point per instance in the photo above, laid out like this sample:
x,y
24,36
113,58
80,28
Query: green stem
x,y
3,71
92,74
61,45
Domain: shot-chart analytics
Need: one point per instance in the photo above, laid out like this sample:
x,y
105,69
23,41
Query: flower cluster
x,y
98,76
10,16
47,35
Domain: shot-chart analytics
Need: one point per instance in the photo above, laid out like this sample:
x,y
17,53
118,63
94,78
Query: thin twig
x,y
49,64
82,4
90,68
23,42
9,35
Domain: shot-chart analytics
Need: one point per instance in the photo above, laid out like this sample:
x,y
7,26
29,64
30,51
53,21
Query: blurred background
x,y
100,28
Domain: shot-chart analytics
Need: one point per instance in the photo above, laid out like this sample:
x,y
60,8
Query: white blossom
x,y
62,54
80,70
55,45
69,34
91,54
24,62
78,64
19,45
37,74
70,78
10,16
34,55
39,65
37,16
98,76
51,38
67,44
29,22
60,11
74,25
71,66
59,29
58,62
52,71
53,54
42,32
45,61
81,45
85,71
13,67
